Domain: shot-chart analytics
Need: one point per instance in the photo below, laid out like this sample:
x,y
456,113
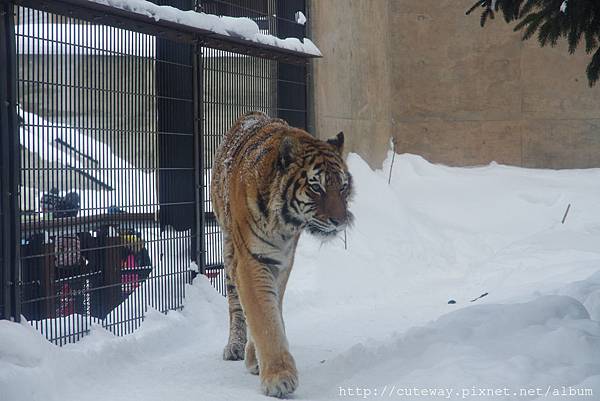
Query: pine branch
x,y
593,69
531,22
544,18
480,3
590,42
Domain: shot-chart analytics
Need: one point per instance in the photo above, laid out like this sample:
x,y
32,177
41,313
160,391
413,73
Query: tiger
x,y
270,182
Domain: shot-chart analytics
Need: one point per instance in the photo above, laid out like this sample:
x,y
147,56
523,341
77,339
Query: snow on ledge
x,y
242,27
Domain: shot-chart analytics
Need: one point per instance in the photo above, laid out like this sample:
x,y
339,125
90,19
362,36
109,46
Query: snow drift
x,y
375,316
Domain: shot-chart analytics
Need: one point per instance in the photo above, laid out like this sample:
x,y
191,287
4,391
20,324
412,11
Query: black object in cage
x,y
109,122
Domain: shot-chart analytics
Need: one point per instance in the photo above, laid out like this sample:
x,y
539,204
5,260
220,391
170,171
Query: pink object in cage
x,y
65,305
212,274
129,282
130,262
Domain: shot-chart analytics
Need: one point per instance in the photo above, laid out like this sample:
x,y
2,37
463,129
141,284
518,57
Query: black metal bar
x,y
107,15
14,143
175,152
291,95
5,278
198,80
10,136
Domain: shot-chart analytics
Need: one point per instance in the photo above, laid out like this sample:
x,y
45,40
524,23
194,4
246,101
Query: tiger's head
x,y
317,185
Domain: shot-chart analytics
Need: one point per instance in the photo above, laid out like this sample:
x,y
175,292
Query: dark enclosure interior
x,y
111,166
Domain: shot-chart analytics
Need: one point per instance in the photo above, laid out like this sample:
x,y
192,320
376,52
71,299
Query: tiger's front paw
x,y
279,379
234,352
279,384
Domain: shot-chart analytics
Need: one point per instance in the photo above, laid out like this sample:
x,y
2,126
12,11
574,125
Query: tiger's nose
x,y
337,221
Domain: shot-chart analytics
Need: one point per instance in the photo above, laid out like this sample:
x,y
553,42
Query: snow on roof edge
x,y
240,27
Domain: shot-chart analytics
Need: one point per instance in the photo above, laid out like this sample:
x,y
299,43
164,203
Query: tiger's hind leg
x,y
234,350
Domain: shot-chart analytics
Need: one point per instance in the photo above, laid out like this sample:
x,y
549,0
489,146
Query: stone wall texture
x,y
429,76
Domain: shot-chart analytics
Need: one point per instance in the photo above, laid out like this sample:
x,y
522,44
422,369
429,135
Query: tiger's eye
x,y
316,188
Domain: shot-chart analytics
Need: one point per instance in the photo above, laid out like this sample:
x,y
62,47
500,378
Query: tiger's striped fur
x,y
269,182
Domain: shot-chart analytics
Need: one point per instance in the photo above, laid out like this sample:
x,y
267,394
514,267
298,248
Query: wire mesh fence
x,y
236,83
92,246
117,131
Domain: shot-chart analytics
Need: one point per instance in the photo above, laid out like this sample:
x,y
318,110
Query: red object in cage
x,y
212,274
129,282
66,306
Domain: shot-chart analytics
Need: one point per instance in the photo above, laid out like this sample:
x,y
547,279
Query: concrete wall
x,y
423,72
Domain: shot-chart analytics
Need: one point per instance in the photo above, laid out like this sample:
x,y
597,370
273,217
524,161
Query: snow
x,y
39,136
42,37
374,318
82,39
93,40
300,17
239,27
563,6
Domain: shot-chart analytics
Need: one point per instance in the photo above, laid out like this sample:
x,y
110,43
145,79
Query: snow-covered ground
x,y
374,320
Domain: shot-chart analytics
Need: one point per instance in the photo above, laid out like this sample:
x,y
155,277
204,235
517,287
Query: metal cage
x,y
109,147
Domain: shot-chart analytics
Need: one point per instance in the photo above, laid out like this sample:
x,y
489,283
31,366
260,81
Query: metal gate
x,y
109,124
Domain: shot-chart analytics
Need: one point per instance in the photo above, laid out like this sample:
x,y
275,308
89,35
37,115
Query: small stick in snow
x,y
566,212
345,240
479,297
393,157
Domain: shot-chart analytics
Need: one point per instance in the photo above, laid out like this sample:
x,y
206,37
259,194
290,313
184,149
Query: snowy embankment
x,y
375,317
87,161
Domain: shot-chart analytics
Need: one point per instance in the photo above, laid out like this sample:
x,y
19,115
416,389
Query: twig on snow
x,y
566,212
393,157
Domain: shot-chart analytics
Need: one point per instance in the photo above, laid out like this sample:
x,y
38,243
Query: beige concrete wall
x,y
426,74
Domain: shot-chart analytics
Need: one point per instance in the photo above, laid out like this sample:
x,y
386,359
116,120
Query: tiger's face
x,y
328,191
318,198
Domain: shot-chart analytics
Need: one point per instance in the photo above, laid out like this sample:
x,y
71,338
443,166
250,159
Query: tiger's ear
x,y
337,142
287,152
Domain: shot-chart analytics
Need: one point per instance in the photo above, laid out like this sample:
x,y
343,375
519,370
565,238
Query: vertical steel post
x,y
9,132
4,202
198,83
291,79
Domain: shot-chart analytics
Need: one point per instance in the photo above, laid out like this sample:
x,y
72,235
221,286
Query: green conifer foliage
x,y
552,20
